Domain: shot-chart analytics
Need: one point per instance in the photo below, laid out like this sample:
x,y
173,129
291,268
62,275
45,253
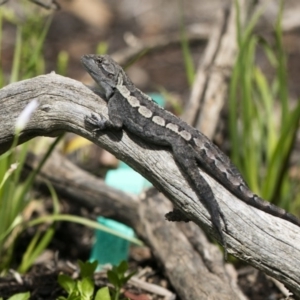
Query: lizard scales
x,y
135,111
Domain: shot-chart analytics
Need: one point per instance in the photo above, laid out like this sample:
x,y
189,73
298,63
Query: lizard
x,y
132,110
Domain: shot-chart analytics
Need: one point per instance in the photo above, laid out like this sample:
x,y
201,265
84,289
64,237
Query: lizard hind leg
x,y
185,159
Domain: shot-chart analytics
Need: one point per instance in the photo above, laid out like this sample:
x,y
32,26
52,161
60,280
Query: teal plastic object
x,y
127,180
158,98
109,248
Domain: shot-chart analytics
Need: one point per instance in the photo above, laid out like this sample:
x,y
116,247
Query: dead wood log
x,y
209,91
192,275
268,243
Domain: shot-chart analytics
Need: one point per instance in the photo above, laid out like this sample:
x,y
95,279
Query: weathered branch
x,y
183,268
210,88
146,216
268,243
141,47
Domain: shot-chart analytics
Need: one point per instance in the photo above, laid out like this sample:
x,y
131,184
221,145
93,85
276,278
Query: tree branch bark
x,y
268,243
175,251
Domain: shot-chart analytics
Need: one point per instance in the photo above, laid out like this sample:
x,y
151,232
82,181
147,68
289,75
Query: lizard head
x,y
103,70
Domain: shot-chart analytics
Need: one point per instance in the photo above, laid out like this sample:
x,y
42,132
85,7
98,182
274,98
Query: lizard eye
x,y
110,75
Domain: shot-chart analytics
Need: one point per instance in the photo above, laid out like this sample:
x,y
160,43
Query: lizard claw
x,y
96,120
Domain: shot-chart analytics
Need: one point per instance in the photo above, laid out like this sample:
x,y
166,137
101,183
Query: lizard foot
x,y
97,121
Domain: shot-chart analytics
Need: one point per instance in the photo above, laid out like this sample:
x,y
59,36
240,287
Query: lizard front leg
x,y
97,121
115,120
186,160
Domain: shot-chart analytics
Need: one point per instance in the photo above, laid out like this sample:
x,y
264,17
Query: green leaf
x,y
66,282
103,294
87,285
87,269
20,296
122,267
113,278
79,287
74,296
126,278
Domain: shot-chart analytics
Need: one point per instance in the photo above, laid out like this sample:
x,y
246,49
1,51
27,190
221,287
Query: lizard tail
x,y
256,201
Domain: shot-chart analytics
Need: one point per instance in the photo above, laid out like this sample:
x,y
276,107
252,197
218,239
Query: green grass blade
x,y
279,158
282,75
35,57
22,153
35,248
31,177
54,197
2,83
62,63
83,221
187,56
17,56
266,104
